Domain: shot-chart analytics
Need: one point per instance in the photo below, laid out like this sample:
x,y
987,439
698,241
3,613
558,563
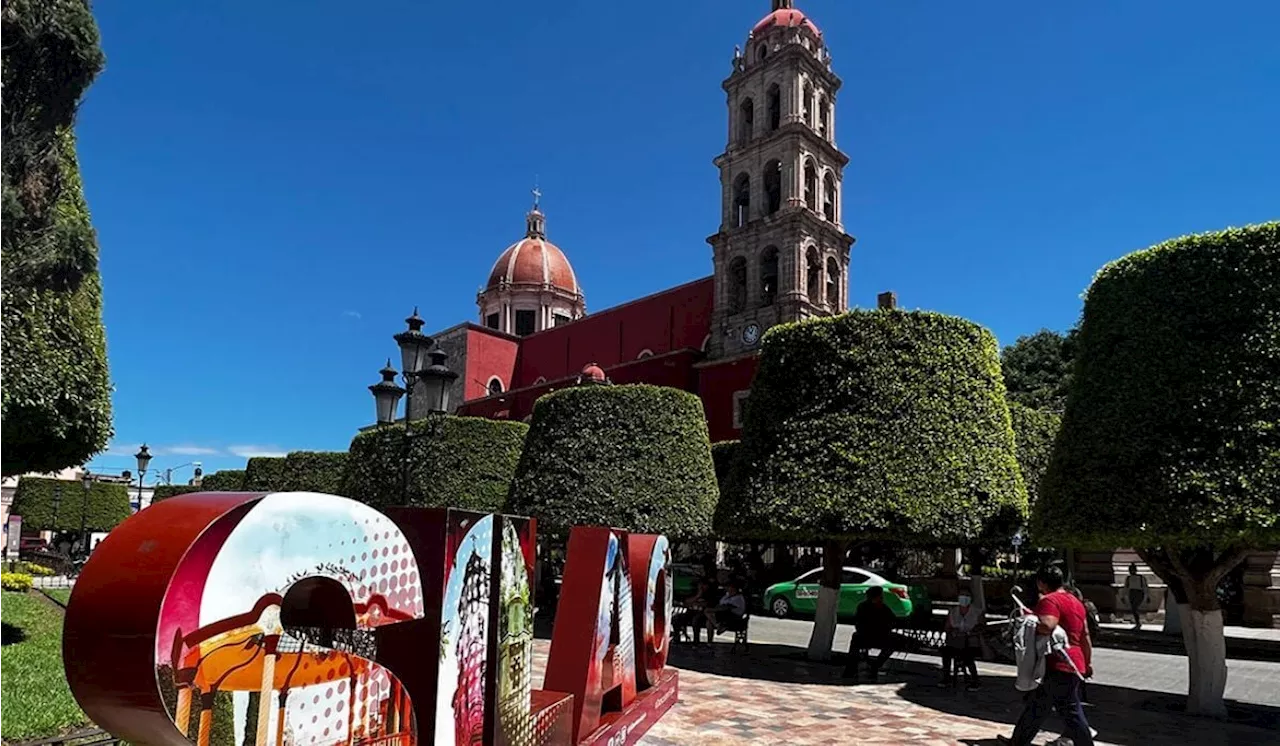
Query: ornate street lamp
x,y
413,358
437,379
386,395
144,460
86,480
198,476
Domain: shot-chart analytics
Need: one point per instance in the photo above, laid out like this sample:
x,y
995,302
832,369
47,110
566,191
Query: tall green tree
x,y
1171,437
872,426
56,393
1037,369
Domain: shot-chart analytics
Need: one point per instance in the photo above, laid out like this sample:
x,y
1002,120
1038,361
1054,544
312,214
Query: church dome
x,y
534,261
784,17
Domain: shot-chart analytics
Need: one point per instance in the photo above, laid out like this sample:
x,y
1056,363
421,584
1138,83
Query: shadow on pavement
x,y
1156,641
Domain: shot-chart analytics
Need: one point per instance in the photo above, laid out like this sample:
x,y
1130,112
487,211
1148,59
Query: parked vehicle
x,y
801,595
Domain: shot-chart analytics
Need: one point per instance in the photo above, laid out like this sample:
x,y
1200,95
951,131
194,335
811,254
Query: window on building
x,y
769,276
772,187
740,408
746,121
829,197
824,117
813,275
495,386
833,283
806,105
741,200
491,321
810,185
737,295
560,319
773,105
526,322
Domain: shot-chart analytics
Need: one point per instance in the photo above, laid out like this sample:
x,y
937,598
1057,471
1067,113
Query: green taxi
x,y
801,595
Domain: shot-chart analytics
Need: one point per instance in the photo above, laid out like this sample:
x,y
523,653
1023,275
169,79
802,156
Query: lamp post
x,y
386,395
144,459
57,504
413,346
86,480
437,379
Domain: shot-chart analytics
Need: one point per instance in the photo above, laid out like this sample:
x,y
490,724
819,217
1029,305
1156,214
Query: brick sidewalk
x,y
771,695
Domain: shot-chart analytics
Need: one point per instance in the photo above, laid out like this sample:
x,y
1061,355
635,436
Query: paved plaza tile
x,y
772,695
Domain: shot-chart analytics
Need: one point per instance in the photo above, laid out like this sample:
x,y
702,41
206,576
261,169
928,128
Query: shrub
x,y
635,457
1034,431
1170,436
15,581
874,425
264,474
460,462
165,491
722,455
314,471
227,480
108,504
31,568
56,394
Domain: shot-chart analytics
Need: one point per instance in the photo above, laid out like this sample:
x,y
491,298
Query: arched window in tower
x,y
813,275
737,277
762,51
829,196
773,104
772,187
746,121
769,276
810,185
806,105
833,283
741,200
824,117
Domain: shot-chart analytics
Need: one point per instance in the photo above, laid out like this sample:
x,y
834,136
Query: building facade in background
x,y
781,254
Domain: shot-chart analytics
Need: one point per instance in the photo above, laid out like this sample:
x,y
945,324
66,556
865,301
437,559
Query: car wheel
x,y
780,607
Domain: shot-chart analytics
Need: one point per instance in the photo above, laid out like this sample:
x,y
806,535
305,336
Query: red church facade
x,y
780,255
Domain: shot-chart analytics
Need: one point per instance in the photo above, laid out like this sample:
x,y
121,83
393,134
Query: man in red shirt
x,y
1060,688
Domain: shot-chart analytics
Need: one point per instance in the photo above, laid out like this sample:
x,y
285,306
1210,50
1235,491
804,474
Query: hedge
x,y
461,462
264,474
227,480
871,425
17,582
1170,434
108,504
1034,431
635,457
313,471
166,491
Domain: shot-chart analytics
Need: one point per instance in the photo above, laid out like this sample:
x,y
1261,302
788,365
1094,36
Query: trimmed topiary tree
x,y
722,455
872,425
57,398
314,471
34,500
635,457
459,462
227,480
163,492
1034,431
1170,441
264,474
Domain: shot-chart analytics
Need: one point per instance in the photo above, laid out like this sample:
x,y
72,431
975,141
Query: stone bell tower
x,y
781,253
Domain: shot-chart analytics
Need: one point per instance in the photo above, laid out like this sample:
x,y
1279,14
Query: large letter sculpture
x,y
357,627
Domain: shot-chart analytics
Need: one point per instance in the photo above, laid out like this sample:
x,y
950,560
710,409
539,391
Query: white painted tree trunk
x,y
824,624
1173,613
1206,661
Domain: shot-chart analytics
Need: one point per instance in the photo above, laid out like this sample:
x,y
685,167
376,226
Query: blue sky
x,y
276,185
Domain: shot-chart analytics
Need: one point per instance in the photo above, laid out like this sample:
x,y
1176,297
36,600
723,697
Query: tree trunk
x,y
1175,606
977,589
824,621
1196,572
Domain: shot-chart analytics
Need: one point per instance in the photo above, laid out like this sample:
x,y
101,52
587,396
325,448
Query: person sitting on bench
x,y
728,613
874,622
964,640
695,606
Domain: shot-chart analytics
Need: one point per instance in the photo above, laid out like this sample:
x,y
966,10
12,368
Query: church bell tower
x,y
781,253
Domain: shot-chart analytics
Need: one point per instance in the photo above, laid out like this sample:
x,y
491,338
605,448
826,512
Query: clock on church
x,y
751,334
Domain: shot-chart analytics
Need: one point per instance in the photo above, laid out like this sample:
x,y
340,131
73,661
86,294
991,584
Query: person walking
x,y
1060,688
1136,587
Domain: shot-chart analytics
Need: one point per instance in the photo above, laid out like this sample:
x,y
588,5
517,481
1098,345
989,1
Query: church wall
x,y
488,356
719,384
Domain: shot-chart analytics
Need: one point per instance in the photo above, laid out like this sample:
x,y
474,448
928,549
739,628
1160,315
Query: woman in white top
x,y
963,630
1136,585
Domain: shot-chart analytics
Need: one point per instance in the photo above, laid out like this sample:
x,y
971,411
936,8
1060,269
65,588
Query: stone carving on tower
x,y
532,286
781,253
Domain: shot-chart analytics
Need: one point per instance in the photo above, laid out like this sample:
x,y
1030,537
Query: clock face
x,y
751,334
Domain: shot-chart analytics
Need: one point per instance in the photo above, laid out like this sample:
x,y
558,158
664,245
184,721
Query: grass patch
x,y
37,700
61,595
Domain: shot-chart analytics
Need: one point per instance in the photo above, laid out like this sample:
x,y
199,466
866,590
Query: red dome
x,y
593,372
784,18
534,261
